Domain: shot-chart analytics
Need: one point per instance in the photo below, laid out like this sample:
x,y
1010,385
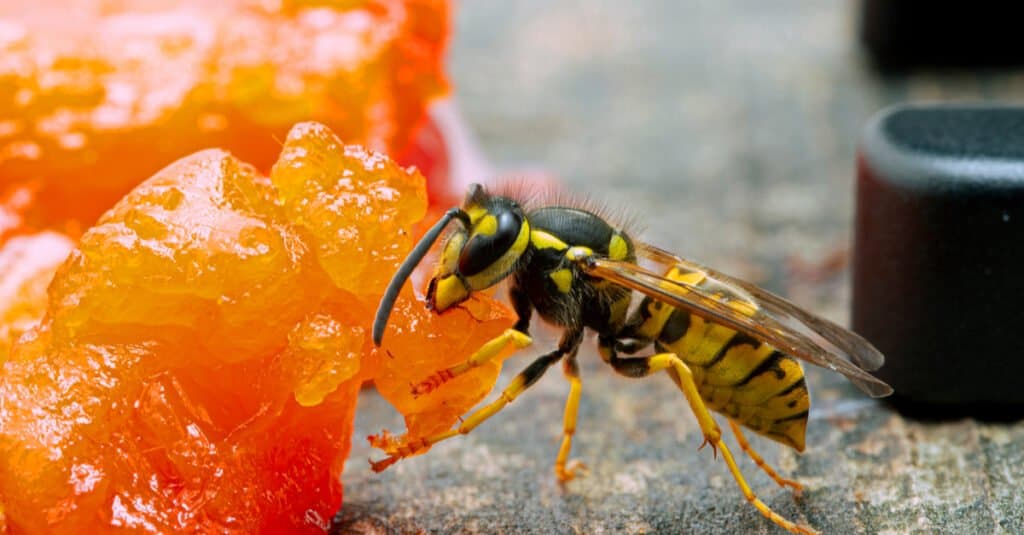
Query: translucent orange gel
x,y
96,95
199,359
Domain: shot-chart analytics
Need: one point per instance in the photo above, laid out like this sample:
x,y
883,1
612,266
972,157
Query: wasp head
x,y
482,253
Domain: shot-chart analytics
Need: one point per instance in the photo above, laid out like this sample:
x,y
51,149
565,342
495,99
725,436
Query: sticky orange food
x,y
96,95
27,264
198,363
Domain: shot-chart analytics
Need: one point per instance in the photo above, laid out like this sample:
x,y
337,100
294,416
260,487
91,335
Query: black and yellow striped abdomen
x,y
750,382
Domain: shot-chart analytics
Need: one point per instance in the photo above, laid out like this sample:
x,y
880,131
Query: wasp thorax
x,y
482,255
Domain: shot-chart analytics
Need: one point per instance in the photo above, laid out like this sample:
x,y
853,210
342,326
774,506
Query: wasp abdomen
x,y
738,376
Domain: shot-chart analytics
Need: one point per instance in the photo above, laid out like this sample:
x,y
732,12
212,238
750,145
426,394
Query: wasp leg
x,y
563,471
486,352
516,336
745,446
568,345
683,377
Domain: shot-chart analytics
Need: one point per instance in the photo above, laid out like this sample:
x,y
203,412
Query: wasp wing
x,y
751,310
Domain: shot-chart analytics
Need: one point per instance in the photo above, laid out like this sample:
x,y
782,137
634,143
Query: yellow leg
x,y
563,471
683,377
759,461
486,352
753,499
520,383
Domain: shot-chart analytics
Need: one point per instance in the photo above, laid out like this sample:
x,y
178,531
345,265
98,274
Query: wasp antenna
x,y
380,321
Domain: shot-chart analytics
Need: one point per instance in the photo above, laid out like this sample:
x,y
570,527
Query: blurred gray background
x,y
730,129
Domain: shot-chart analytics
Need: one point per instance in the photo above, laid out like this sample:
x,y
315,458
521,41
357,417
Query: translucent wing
x,y
748,309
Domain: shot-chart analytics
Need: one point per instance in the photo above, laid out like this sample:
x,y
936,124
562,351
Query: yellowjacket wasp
x,y
729,346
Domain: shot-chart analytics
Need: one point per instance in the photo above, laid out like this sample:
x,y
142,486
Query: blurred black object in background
x,y
938,281
900,36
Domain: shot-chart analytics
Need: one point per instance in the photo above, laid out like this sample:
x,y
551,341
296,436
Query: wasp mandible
x,y
729,346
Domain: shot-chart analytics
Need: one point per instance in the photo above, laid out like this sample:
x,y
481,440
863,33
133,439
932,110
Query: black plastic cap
x,y
938,274
901,36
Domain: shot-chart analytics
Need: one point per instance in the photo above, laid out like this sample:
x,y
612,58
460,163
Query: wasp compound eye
x,y
495,235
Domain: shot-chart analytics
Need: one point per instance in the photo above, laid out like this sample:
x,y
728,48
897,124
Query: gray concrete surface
x,y
730,128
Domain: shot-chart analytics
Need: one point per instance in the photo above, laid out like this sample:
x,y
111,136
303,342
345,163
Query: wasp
x,y
729,346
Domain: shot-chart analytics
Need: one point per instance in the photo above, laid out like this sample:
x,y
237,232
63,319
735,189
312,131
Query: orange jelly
x,y
97,94
197,366
27,264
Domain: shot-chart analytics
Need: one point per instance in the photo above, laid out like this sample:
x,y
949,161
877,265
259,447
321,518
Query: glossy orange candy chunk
x,y
202,349
27,264
408,357
96,95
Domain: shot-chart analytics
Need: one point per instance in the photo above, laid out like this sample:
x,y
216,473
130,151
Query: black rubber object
x,y
901,36
938,274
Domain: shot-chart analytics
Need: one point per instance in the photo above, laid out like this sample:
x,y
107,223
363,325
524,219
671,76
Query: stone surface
x,y
730,128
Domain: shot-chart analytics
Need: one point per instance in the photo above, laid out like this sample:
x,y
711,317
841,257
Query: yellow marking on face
x,y
617,247
476,213
487,225
497,270
546,240
450,254
562,279
449,291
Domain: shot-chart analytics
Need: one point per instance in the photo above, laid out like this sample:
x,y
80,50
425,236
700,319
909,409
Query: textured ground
x,y
730,127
